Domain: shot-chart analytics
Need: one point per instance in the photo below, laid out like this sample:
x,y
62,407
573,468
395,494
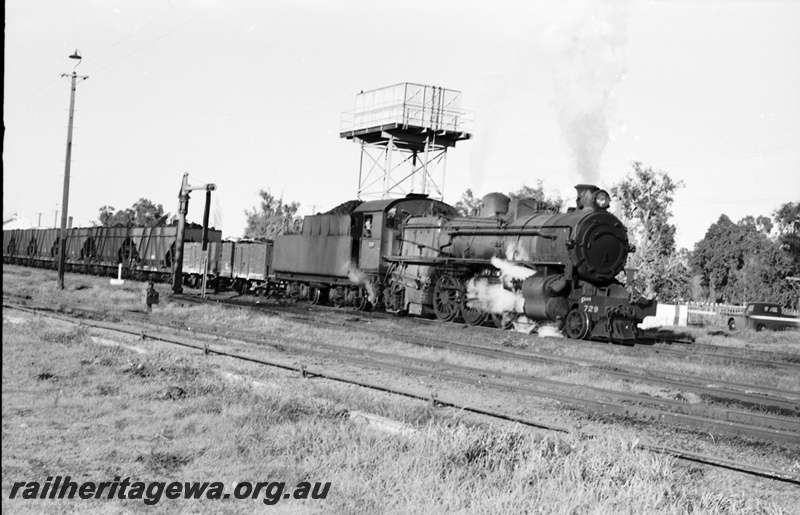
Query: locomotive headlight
x,y
601,199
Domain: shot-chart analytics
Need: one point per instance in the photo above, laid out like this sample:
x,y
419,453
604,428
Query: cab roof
x,y
386,204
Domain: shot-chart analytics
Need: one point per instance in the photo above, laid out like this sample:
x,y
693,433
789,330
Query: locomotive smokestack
x,y
585,192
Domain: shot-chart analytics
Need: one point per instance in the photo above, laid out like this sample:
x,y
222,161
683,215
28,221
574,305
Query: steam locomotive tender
x,y
343,258
569,261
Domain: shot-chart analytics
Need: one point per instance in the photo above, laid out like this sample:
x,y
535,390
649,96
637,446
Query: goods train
x,y
415,255
143,252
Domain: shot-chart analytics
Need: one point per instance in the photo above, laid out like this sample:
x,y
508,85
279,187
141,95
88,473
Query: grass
x,y
99,412
73,407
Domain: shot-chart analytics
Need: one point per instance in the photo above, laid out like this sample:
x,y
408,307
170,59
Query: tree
x,y
787,219
674,282
739,263
645,199
105,216
147,214
143,213
272,218
468,205
555,203
715,256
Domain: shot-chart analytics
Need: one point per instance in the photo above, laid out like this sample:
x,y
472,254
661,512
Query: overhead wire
x,y
136,30
160,37
113,45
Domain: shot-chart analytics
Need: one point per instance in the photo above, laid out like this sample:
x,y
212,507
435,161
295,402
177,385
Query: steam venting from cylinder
x,y
357,276
499,298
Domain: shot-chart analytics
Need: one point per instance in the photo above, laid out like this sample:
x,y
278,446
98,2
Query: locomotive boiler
x,y
517,259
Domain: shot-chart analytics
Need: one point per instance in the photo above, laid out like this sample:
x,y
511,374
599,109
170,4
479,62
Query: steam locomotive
x,y
411,256
560,268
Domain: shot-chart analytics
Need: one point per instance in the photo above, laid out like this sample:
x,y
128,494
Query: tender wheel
x,y
577,325
732,324
447,298
338,297
293,291
760,327
316,296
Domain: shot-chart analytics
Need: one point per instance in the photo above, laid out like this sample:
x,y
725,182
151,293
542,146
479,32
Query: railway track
x,y
647,344
613,403
713,390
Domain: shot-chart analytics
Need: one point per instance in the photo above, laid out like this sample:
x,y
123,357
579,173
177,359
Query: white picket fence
x,y
694,313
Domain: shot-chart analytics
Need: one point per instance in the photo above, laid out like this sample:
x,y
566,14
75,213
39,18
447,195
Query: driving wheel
x,y
447,298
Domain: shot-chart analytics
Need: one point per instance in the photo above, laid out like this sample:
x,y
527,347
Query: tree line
x,y
734,263
143,213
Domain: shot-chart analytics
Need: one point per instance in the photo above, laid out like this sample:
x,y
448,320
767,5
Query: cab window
x,y
390,221
367,233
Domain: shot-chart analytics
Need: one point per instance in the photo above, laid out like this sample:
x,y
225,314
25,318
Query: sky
x,y
249,95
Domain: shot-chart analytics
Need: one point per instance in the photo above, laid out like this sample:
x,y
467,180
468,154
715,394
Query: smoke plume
x,y
585,45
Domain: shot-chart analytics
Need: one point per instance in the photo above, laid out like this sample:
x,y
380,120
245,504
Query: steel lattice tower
x,y
404,132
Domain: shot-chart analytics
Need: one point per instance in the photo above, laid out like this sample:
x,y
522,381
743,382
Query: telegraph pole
x,y
62,250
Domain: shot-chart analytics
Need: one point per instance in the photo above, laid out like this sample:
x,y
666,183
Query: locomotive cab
x,y
377,227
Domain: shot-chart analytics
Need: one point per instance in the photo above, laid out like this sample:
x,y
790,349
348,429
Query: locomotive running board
x,y
414,260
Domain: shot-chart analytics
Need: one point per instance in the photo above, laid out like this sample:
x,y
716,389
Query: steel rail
x,y
775,474
744,393
727,415
767,359
786,401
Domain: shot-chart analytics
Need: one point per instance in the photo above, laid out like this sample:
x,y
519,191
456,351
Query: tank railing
x,y
408,115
